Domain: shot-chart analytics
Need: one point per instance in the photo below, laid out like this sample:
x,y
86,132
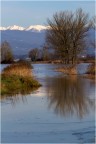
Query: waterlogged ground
x,y
61,111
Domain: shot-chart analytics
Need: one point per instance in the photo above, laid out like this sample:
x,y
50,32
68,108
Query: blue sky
x,y
26,13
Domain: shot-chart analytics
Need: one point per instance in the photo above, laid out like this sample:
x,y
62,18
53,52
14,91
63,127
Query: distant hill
x,y
22,40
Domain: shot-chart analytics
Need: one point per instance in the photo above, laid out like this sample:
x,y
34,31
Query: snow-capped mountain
x,y
15,27
36,28
33,28
2,28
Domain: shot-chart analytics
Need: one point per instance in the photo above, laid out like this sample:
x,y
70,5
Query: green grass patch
x,y
18,80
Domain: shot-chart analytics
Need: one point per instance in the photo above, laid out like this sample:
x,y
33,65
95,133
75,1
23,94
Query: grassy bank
x,y
17,79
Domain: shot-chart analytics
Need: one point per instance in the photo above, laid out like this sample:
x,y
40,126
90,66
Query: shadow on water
x,y
69,95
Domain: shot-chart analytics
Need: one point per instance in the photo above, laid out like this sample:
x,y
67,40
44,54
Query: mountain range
x,y
22,40
36,28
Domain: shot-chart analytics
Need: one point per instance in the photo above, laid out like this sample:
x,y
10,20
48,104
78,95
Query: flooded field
x,y
61,111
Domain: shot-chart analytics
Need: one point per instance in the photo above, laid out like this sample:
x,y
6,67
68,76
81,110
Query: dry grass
x,y
91,69
22,68
70,70
17,79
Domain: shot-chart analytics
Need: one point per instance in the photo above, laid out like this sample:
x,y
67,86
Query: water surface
x,y
61,111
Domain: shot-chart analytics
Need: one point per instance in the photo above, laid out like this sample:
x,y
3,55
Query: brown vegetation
x,y
91,71
70,70
21,68
17,79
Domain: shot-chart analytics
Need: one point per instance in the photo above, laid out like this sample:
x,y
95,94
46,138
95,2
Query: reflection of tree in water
x,y
68,96
15,99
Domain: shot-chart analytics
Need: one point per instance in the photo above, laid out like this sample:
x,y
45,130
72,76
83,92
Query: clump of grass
x,y
70,70
91,69
21,68
17,79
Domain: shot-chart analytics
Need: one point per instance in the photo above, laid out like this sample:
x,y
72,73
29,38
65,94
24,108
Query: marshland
x,y
62,107
48,96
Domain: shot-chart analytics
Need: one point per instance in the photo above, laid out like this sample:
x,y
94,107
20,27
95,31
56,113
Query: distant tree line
x,y
41,54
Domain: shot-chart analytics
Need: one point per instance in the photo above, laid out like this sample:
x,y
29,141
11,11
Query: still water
x,y
61,111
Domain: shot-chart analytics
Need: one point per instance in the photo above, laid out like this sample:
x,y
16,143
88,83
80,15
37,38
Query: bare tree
x,y
67,34
33,54
57,36
6,53
93,22
80,29
45,53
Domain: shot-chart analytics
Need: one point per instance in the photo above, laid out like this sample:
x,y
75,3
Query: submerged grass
x,y
17,79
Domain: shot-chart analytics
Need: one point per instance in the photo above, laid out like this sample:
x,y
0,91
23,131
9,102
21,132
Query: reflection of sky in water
x,y
63,107
65,94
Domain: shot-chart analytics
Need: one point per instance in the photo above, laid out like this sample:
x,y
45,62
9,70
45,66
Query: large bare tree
x,y
93,42
67,34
